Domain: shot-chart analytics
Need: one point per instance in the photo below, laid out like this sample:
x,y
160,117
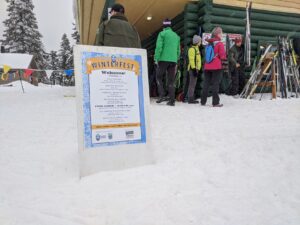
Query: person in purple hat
x,y
167,53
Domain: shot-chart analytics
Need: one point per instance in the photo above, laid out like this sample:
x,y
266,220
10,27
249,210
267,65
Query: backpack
x,y
209,53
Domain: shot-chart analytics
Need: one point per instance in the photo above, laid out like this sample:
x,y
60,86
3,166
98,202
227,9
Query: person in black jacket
x,y
237,67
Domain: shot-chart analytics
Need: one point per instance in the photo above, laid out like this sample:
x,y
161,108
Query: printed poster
x,y
232,37
113,99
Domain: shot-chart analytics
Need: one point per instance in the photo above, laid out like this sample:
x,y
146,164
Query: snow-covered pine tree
x,y
65,55
21,33
53,62
75,34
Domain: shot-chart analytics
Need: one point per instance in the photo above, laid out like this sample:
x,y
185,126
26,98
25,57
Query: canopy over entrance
x,y
89,12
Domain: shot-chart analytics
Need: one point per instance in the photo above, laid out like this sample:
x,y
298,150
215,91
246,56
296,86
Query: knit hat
x,y
117,8
216,31
196,39
167,23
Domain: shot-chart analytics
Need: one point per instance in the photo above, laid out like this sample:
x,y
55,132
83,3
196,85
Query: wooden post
x,y
19,73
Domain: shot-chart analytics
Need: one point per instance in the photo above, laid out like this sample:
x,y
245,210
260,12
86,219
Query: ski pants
x,y
192,84
238,80
211,78
170,68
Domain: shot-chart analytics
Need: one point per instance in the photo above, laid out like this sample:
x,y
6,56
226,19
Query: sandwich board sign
x,y
112,108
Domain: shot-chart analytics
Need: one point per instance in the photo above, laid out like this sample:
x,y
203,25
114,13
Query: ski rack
x,y
271,78
280,70
254,75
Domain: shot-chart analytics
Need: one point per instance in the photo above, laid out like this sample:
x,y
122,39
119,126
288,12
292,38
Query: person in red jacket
x,y
213,71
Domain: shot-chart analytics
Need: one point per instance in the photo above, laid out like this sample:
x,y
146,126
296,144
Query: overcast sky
x,y
54,18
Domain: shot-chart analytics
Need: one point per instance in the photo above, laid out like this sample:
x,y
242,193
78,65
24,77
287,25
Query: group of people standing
x,y
119,32
167,54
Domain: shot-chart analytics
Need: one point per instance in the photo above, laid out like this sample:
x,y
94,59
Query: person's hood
x,y
167,28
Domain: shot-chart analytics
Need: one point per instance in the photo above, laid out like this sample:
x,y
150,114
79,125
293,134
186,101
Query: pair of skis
x,y
289,73
247,43
294,68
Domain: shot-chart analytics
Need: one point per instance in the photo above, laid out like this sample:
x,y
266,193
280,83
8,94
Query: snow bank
x,y
233,165
28,88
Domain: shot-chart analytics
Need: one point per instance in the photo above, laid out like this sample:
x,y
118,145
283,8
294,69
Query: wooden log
x,y
270,5
221,10
254,23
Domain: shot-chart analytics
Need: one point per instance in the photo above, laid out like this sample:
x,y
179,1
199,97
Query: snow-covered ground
x,y
236,165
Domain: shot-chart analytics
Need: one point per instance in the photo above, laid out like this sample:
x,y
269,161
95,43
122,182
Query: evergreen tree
x,y
53,62
75,34
21,33
65,54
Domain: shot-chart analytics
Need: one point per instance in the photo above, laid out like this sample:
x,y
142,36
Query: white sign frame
x,y
102,157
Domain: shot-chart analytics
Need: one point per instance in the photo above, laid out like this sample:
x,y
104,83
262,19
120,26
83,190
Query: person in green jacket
x,y
194,67
117,31
167,53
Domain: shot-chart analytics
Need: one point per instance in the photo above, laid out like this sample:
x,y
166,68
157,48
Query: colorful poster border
x,y
87,106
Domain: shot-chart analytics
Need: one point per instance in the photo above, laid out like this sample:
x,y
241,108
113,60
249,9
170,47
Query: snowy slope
x,y
236,165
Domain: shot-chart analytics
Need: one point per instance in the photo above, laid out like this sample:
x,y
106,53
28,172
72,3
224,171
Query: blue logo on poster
x,y
113,59
98,137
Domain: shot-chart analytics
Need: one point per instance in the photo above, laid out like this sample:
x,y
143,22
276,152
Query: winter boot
x,y
162,99
171,103
219,105
193,101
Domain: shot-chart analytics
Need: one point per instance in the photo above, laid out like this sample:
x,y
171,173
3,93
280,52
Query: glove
x,y
195,72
